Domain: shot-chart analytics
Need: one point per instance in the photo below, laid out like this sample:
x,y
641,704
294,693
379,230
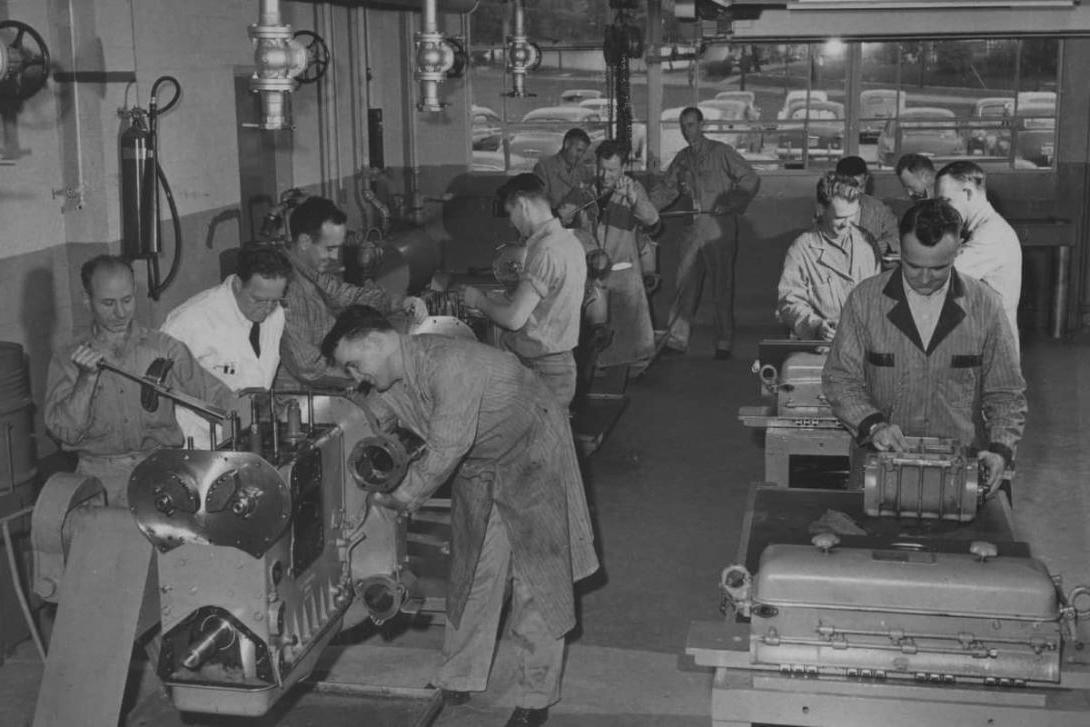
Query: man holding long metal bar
x,y
108,418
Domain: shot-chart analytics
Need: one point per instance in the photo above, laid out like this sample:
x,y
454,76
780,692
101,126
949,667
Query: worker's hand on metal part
x,y
87,358
886,437
472,297
826,330
397,501
992,466
415,308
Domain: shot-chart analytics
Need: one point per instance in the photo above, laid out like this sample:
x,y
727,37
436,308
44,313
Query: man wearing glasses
x,y
234,329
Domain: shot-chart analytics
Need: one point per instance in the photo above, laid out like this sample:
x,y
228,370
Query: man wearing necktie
x,y
234,329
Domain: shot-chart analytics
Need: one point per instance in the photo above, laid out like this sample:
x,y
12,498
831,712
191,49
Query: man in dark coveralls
x,y
518,510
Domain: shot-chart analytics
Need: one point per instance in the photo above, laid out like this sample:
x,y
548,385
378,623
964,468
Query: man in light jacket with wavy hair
x,y
825,263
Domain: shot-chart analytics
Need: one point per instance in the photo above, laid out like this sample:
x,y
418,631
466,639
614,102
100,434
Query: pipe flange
x,y
382,596
270,32
378,463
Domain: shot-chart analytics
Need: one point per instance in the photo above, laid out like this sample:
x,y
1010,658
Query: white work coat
x,y
216,332
993,254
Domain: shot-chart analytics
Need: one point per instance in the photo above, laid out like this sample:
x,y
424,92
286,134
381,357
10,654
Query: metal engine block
x,y
267,548
934,479
893,613
796,384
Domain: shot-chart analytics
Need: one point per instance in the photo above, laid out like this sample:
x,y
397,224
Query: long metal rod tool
x,y
163,390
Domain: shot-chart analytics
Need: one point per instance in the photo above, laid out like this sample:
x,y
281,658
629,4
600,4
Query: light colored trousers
x,y
113,471
558,371
708,251
468,649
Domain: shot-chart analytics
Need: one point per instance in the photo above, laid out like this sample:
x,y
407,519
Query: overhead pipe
x,y
434,57
279,58
522,55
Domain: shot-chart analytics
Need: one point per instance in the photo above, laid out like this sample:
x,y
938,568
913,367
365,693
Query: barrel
x,y
17,461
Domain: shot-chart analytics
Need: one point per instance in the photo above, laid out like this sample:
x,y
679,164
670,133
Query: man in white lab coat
x,y
234,329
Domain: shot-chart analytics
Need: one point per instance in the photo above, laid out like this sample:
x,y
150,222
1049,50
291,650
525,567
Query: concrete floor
x,y
667,489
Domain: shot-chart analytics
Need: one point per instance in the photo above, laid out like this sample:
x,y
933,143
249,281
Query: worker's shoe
x,y
722,354
525,717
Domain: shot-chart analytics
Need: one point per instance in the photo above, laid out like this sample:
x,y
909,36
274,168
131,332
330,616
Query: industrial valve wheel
x,y
317,56
24,68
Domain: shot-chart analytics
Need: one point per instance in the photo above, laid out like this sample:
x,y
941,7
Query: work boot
x,y
526,717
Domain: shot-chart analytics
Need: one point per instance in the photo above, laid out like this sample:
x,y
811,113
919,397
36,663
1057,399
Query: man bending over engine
x,y
518,512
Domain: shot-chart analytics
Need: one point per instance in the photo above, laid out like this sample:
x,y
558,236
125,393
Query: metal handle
x,y
162,389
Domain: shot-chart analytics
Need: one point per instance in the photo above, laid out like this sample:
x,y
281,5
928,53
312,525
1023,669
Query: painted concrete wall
x,y
59,196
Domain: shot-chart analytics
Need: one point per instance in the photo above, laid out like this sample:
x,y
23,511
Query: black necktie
x,y
255,338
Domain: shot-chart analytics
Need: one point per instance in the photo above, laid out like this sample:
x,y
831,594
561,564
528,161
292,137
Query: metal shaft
x,y
163,390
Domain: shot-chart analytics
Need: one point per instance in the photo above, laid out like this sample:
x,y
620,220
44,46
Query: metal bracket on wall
x,y
73,197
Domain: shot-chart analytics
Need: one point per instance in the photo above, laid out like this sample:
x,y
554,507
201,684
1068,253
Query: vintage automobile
x,y
876,106
927,130
602,107
793,97
542,130
486,128
574,96
1035,132
990,127
817,127
734,124
749,97
499,162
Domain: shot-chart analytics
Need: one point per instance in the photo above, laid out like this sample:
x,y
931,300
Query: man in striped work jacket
x,y
518,509
924,351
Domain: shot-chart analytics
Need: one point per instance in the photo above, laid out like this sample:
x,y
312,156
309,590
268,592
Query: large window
x,y
786,105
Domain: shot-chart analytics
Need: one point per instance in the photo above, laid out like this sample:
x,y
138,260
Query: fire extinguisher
x,y
142,179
